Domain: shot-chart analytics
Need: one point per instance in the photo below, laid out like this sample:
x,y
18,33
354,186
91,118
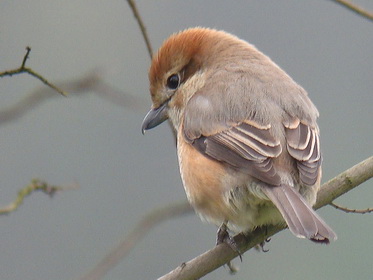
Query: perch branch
x,y
221,254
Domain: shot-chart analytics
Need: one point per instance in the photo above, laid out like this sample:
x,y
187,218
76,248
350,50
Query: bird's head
x,y
180,68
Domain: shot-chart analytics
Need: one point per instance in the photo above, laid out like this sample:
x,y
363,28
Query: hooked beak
x,y
154,117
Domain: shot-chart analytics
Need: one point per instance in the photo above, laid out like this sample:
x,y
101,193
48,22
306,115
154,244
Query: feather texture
x,y
246,147
243,127
301,219
303,145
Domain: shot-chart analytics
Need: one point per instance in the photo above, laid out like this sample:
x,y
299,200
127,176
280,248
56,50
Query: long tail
x,y
301,219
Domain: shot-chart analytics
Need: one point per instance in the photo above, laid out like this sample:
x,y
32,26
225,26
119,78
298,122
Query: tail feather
x,y
301,219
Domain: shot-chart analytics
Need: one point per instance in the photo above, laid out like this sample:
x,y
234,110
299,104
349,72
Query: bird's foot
x,y
223,236
262,244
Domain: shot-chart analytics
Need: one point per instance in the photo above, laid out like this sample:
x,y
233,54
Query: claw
x,y
261,245
223,236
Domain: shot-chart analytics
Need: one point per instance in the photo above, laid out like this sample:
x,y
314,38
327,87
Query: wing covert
x,y
246,146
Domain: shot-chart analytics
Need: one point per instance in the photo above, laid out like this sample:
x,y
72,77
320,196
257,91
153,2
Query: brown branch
x,y
141,229
24,69
345,182
35,185
355,8
221,254
132,4
349,210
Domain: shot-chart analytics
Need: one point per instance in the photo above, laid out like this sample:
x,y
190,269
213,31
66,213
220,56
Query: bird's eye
x,y
173,81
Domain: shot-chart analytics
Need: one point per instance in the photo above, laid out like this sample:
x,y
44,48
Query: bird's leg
x,y
222,236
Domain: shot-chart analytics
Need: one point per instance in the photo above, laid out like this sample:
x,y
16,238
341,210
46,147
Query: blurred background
x,y
94,138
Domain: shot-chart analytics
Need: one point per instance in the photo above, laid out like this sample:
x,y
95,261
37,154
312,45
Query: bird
x,y
248,141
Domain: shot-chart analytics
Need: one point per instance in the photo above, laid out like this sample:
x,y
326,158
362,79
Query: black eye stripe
x,y
173,81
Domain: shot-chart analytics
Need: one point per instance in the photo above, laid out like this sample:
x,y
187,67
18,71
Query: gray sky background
x,y
123,175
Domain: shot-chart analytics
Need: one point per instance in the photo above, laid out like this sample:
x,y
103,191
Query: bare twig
x,y
90,82
147,42
132,4
349,210
355,8
142,228
24,69
28,50
221,254
35,185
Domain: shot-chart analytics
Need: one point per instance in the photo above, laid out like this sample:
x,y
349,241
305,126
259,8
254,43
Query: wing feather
x,y
236,125
303,145
244,146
